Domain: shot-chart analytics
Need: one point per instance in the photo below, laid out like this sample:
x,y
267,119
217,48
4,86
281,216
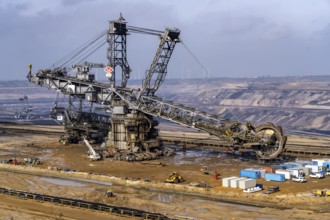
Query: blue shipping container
x,y
288,165
304,163
250,174
275,177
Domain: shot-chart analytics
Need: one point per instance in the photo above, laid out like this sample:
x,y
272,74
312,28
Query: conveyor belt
x,y
33,131
115,210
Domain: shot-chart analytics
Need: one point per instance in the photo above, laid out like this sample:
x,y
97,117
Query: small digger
x,y
174,178
109,194
206,170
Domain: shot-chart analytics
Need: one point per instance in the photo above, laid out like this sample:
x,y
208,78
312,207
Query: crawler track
x,y
292,149
115,210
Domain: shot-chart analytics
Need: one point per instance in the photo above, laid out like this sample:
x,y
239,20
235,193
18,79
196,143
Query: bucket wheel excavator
x,y
130,127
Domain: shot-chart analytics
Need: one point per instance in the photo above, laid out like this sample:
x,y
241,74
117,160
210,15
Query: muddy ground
x,y
294,201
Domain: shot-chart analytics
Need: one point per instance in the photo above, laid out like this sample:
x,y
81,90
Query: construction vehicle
x,y
174,178
206,170
91,152
33,161
272,189
109,193
131,125
321,193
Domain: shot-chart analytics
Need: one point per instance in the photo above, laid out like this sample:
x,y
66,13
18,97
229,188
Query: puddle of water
x,y
192,156
62,182
200,156
98,182
165,198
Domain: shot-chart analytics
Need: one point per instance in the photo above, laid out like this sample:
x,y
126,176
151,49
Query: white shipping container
x,y
234,182
247,183
296,171
306,171
226,181
287,174
313,168
319,162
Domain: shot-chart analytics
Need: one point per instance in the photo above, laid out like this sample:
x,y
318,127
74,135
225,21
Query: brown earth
x,y
295,198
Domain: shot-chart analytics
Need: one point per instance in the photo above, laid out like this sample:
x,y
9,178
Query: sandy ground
x,y
134,194
294,201
12,208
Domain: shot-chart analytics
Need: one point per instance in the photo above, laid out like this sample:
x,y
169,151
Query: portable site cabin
x,y
296,172
234,183
226,181
248,183
313,168
286,173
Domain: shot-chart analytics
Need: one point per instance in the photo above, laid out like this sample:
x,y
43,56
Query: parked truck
x,y
317,175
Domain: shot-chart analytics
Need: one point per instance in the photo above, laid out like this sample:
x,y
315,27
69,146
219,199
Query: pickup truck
x,y
299,179
316,175
272,189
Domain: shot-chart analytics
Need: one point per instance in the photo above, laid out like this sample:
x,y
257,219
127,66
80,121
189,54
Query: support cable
x,y
83,55
69,58
195,58
61,62
91,52
81,50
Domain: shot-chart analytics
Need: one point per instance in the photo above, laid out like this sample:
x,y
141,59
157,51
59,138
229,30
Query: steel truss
x,y
232,131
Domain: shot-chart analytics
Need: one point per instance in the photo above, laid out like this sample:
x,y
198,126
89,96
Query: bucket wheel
x,y
271,141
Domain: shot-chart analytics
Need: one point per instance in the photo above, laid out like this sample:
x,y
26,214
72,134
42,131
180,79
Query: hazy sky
x,y
231,38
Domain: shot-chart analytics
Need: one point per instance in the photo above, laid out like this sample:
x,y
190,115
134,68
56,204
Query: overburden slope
x,y
295,103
